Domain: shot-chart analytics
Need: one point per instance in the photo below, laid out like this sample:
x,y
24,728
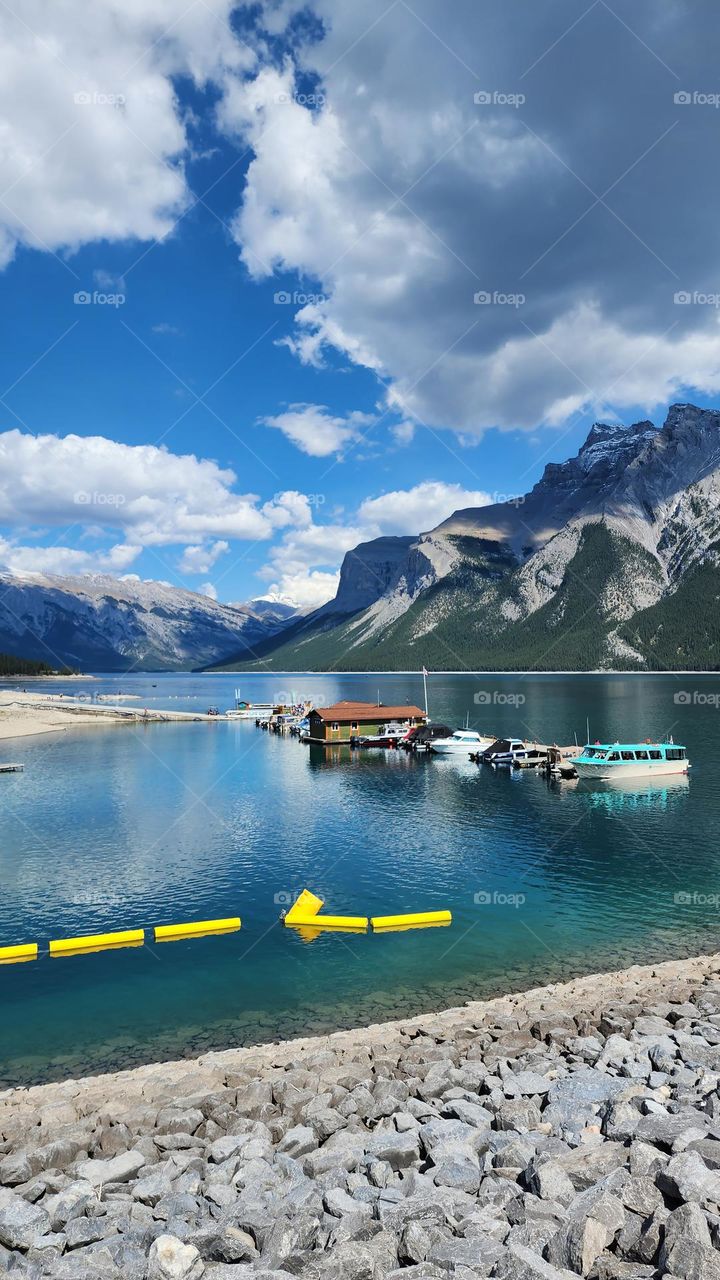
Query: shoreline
x,y
571,1129
611,986
24,715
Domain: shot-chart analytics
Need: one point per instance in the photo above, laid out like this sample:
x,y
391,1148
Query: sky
x,y
279,278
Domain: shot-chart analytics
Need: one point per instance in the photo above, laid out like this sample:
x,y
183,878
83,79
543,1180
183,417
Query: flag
x,y
425,672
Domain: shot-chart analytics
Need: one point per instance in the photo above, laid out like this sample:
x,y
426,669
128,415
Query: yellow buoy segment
x,y
307,904
97,941
413,920
24,951
195,928
330,922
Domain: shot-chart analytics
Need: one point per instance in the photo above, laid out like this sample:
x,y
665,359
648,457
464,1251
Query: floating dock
x,y
11,768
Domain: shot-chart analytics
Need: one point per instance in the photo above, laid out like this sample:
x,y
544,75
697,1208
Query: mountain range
x,y
100,623
611,561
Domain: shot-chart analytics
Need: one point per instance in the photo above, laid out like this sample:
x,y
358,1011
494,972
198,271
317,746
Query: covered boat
x,y
630,759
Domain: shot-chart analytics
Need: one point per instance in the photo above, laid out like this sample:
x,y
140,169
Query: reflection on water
x,y
136,826
635,793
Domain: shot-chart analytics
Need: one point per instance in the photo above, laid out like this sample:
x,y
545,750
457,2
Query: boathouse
x,y
346,720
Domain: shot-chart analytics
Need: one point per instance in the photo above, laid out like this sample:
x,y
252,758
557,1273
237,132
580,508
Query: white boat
x,y
244,710
462,742
608,760
387,735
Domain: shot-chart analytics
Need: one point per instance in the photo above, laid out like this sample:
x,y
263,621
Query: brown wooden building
x,y
346,720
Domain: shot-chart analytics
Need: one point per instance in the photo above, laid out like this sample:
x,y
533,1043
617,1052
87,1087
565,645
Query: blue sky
x,y
470,282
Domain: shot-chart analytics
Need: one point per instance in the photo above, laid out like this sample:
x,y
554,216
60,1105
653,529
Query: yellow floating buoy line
x,y
196,929
91,942
17,954
305,915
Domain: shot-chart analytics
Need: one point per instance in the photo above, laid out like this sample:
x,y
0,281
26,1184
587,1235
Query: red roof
x,y
368,711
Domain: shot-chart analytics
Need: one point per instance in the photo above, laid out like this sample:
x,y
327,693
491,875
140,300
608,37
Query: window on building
x,y
335,726
354,725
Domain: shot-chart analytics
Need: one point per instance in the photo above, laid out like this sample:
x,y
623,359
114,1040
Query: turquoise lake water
x,y
136,825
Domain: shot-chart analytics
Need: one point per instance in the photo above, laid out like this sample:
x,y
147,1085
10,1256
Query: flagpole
x,y
427,717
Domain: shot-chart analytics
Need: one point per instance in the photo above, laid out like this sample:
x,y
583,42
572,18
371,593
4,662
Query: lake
x,y
136,825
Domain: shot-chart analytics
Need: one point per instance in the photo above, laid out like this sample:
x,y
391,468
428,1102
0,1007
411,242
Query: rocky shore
x,y
569,1130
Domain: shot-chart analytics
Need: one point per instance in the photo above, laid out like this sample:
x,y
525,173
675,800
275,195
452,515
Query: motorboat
x,y
608,760
462,742
509,751
388,735
422,736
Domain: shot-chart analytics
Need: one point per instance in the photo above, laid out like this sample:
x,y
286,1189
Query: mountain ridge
x,y
104,623
492,585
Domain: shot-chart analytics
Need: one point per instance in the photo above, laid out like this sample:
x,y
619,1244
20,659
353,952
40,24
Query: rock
x,y
400,1150
517,1262
594,1222
84,1231
170,1259
21,1223
550,1182
118,1169
298,1141
687,1177
690,1257
16,1168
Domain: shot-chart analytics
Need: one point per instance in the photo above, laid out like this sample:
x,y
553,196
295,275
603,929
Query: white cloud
x,y
66,560
200,559
316,431
306,590
401,197
92,134
207,589
154,495
418,509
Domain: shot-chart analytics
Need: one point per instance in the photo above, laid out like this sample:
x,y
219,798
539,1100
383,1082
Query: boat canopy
x,y
617,752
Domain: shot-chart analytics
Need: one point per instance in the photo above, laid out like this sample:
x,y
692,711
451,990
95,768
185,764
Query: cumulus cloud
x,y
58,559
93,136
158,496
418,509
145,495
404,198
200,559
318,432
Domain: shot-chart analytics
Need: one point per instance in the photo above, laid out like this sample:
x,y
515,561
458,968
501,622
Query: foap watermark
x,y
484,298
692,898
508,499
312,100
498,98
498,698
496,898
94,98
313,499
284,898
85,499
696,298
696,698
83,298
696,98
296,298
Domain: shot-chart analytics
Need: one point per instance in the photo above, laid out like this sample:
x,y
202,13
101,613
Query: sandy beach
x,y
24,714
